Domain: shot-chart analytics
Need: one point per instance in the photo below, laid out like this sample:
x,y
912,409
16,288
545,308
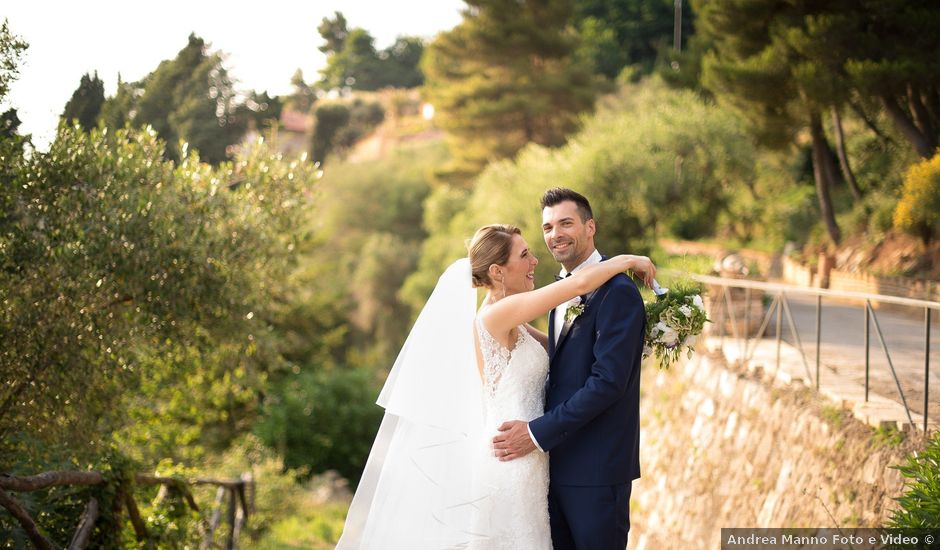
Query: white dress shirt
x,y
594,258
560,310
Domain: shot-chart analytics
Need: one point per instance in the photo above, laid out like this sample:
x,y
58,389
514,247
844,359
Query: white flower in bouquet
x,y
669,337
697,302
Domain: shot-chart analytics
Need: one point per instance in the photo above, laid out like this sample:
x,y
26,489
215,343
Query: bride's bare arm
x,y
512,311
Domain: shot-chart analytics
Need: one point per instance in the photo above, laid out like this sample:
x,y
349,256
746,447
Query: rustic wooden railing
x,y
240,503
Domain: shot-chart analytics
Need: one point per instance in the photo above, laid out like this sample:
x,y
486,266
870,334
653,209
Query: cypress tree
x,y
86,102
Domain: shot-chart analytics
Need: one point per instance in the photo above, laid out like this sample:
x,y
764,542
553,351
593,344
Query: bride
x,y
432,480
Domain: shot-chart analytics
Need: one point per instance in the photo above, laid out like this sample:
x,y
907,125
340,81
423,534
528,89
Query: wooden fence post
x,y
239,503
232,505
216,516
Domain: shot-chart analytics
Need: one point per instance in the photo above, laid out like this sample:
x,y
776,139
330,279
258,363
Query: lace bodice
x,y
513,379
513,389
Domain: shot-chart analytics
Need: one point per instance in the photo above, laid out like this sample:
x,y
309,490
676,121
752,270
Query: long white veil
x,y
418,489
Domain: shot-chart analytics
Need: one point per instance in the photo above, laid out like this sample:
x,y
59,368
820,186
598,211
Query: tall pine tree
x,y
762,61
893,59
505,77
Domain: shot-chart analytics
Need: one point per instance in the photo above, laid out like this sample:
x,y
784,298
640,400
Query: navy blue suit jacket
x,y
591,425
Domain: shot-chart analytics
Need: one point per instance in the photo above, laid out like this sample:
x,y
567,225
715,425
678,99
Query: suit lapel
x,y
554,346
551,332
566,328
564,334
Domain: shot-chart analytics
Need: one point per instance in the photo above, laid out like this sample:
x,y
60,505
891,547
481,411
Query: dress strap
x,y
495,358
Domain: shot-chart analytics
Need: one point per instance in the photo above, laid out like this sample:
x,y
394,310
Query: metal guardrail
x,y
780,305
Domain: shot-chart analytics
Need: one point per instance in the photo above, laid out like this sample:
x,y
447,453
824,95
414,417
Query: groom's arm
x,y
620,320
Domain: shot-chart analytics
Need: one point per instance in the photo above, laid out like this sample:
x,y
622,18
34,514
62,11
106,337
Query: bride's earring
x,y
502,289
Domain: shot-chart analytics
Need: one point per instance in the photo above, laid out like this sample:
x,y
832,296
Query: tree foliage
x,y
85,104
334,32
190,98
125,276
919,506
354,63
302,97
11,52
376,209
9,123
260,109
368,218
918,211
651,161
320,420
329,119
402,62
504,77
617,34
790,66
338,125
776,80
889,55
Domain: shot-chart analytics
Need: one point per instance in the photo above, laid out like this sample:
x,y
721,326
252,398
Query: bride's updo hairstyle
x,y
491,244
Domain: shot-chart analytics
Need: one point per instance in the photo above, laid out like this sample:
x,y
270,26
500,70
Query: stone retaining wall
x,y
721,447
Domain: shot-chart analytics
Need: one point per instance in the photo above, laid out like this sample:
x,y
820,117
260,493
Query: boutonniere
x,y
575,308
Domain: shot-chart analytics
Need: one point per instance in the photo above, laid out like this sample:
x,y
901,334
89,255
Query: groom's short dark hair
x,y
557,195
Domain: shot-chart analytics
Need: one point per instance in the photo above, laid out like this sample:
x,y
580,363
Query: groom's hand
x,y
513,440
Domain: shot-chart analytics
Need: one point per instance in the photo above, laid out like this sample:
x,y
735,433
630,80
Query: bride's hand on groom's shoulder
x,y
513,441
643,268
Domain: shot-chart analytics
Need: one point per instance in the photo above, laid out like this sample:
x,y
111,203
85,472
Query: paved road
x,y
842,349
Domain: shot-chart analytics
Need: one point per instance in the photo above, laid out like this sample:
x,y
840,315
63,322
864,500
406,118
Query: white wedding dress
x,y
513,389
432,481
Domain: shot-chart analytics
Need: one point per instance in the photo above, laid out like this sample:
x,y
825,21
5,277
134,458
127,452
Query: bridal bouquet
x,y
673,323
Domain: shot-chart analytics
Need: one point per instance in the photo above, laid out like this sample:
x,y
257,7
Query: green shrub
x,y
918,211
323,420
138,298
136,294
338,126
312,526
329,120
920,504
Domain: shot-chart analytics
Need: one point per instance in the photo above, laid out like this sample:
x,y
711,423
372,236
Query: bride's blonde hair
x,y
491,244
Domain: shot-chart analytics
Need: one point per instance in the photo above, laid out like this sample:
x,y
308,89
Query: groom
x,y
591,424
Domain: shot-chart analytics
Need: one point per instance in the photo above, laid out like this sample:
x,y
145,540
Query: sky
x,y
265,42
